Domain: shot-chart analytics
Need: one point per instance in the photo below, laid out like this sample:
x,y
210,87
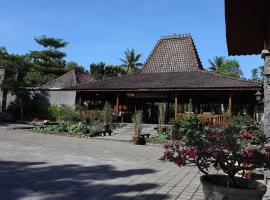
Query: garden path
x,y
125,132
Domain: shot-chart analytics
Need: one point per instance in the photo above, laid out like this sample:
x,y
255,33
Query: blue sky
x,y
101,30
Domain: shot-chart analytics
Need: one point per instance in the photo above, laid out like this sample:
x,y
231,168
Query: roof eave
x,y
253,88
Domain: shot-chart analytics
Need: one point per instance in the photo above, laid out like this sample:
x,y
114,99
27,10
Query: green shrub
x,y
63,113
76,128
73,128
240,121
53,111
163,136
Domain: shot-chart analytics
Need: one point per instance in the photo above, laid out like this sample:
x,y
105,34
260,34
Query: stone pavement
x,y
34,166
125,133
15,125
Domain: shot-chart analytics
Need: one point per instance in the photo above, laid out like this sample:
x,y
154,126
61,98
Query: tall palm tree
x,y
217,62
131,60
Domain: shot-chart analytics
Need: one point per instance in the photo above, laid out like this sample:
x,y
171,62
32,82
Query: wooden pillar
x,y
230,105
175,107
117,104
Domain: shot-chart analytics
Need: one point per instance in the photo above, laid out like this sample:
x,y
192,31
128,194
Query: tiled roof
x,y
174,64
69,79
175,53
195,80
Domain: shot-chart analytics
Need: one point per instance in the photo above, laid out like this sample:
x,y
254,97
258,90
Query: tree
x,y
97,70
231,68
216,63
257,74
101,70
131,60
226,67
71,65
48,63
15,69
113,71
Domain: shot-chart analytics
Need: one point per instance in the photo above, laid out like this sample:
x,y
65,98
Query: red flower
x,y
191,153
167,155
247,135
180,162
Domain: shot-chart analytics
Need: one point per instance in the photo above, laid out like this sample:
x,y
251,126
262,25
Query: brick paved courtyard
x,y
35,166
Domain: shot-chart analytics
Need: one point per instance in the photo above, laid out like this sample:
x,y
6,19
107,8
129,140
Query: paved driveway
x,y
36,166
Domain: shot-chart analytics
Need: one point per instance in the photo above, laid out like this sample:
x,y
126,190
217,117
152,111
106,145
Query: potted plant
x,y
107,117
236,150
162,116
137,125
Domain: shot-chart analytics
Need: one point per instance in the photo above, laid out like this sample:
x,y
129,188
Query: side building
x,y
53,93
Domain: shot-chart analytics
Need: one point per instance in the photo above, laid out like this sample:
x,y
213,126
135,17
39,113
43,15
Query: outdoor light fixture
x,y
259,96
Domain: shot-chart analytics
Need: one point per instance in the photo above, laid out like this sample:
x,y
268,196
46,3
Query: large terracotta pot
x,y
247,189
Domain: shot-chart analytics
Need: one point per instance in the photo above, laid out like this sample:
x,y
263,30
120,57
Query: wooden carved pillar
x,y
175,107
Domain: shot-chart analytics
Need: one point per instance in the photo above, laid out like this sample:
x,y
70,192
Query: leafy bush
x,y
76,128
63,113
61,127
163,136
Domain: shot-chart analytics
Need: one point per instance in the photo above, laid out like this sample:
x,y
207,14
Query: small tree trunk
x,y
4,100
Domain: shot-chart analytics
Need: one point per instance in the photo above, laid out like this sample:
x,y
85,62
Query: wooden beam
x,y
175,107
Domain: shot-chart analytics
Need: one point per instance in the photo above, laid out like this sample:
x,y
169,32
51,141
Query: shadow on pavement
x,y
23,179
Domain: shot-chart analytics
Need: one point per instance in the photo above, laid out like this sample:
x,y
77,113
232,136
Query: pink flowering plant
x,y
236,149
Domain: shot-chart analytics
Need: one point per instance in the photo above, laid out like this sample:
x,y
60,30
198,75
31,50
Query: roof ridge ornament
x,y
175,35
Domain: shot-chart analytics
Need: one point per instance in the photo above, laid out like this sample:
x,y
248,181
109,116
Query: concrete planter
x,y
250,190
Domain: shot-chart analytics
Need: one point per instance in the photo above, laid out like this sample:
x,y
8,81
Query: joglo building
x,y
173,73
